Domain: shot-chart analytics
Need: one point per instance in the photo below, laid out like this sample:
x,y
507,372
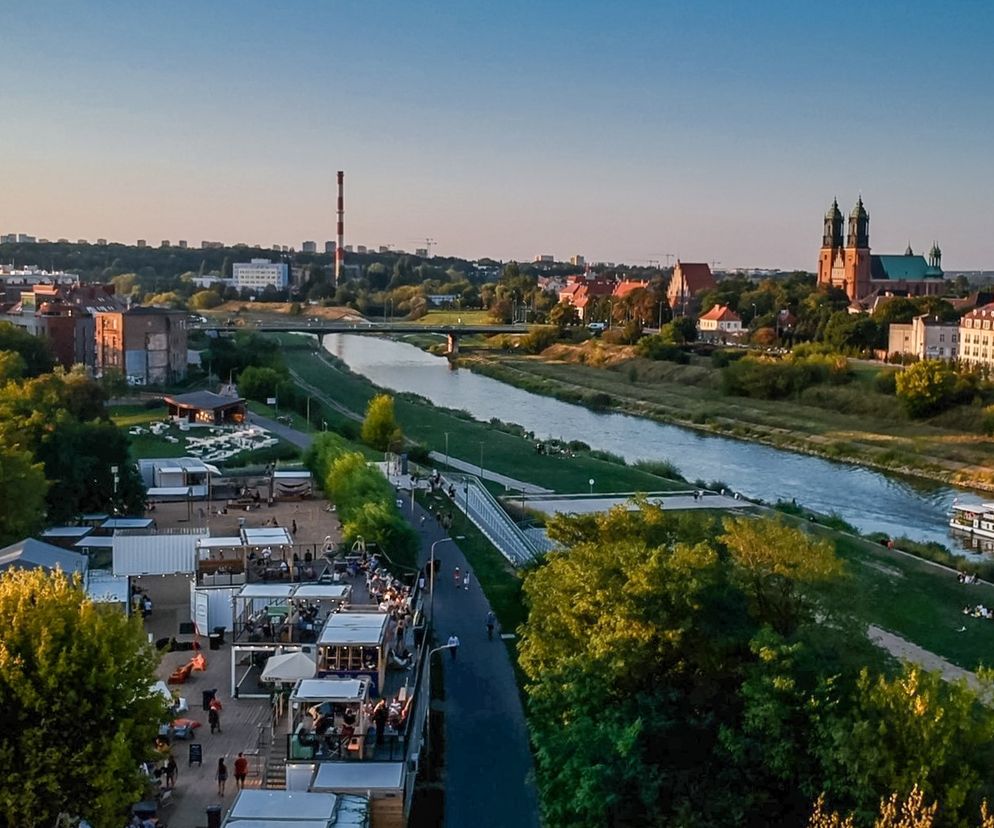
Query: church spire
x,y
859,227
832,237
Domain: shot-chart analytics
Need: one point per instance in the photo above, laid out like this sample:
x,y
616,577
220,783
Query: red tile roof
x,y
722,313
696,275
622,289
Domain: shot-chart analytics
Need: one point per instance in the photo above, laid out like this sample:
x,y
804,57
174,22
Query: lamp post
x,y
446,448
591,482
431,577
428,689
114,471
481,461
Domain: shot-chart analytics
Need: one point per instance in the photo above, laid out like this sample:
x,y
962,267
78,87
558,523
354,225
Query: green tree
x,y
79,710
12,366
33,350
379,428
926,387
22,492
258,383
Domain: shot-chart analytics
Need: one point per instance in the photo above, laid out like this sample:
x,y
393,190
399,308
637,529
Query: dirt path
x,y
904,649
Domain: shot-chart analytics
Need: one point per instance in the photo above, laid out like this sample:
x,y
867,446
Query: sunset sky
x,y
620,131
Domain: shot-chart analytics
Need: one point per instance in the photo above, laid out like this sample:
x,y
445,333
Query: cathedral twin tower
x,y
847,263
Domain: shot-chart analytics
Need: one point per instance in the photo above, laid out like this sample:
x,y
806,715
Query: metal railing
x,y
486,513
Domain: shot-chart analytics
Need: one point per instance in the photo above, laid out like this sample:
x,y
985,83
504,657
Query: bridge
x,y
321,327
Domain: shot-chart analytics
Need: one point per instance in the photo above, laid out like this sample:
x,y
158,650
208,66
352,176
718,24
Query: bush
x,y
607,457
661,468
539,338
657,347
927,387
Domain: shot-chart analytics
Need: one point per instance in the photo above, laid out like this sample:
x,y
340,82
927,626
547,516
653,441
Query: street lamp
x,y
591,482
431,577
428,688
446,448
481,461
114,471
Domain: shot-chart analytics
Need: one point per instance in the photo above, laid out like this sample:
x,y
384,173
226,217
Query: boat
x,y
974,519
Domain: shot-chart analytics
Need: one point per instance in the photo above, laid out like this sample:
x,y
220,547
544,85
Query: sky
x,y
621,131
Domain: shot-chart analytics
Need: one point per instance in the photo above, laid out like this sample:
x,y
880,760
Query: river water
x,y
869,500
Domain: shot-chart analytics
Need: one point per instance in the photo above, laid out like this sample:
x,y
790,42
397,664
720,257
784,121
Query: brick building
x,y
147,345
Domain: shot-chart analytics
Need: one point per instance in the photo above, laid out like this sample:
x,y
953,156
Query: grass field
x,y
502,452
456,317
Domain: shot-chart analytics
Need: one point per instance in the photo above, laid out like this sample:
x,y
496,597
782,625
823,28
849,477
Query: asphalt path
x,y
488,761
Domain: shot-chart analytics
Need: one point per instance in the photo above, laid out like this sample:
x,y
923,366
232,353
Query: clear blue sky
x,y
621,131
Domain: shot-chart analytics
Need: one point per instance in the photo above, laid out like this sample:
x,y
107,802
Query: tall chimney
x,y
340,246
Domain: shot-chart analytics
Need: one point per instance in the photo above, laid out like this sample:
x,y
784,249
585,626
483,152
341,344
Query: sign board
x,y
196,754
201,612
270,400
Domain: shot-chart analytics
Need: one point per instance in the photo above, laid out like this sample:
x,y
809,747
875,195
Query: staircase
x,y
274,774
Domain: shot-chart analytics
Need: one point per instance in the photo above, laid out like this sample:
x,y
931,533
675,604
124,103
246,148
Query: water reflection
x,y
869,500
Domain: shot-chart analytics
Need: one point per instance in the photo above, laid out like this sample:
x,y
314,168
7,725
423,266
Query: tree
x,y
379,428
205,300
926,387
80,714
33,350
258,383
777,564
22,493
564,315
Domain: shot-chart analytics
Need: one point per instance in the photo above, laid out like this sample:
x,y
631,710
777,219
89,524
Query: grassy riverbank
x,y
506,451
853,423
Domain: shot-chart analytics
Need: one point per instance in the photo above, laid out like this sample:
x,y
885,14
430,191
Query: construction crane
x,y
429,244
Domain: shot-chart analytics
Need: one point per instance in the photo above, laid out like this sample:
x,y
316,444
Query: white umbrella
x,y
163,688
289,667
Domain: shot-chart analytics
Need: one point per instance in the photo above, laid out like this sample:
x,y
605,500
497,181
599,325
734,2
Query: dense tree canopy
x,y
685,673
79,711
379,428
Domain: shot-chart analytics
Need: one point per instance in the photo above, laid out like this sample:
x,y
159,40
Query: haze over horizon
x,y
717,131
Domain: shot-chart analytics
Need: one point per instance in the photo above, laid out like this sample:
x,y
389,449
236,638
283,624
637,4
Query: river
x,y
869,500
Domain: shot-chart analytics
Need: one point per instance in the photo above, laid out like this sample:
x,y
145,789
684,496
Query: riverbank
x,y
685,396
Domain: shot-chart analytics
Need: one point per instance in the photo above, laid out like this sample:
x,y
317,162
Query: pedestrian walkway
x,y
585,505
488,762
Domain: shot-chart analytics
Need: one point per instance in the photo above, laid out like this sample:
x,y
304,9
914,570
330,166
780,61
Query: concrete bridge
x,y
320,327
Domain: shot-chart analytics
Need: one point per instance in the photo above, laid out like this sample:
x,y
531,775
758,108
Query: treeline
x,y
683,671
365,501
58,448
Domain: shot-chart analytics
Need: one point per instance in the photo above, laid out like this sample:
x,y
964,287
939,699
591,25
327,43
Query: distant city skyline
x,y
713,132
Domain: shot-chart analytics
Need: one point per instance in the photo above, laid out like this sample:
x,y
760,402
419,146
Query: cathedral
x,y
851,267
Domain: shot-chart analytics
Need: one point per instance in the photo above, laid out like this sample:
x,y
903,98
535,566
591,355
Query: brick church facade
x,y
851,267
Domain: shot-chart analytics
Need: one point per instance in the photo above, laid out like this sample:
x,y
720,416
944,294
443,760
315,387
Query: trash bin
x,y
208,697
215,641
219,631
213,816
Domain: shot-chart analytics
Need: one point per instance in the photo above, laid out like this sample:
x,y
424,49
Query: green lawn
x,y
453,317
502,452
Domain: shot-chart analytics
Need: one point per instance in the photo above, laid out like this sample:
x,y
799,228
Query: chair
x,y
181,674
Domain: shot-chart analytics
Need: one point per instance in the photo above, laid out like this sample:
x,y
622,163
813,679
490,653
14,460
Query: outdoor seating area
x,y
224,443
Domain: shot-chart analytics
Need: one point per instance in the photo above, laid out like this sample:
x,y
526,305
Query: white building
x,y
976,337
259,274
925,337
577,260
720,321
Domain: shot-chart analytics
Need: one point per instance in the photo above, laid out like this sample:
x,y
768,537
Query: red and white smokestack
x,y
340,245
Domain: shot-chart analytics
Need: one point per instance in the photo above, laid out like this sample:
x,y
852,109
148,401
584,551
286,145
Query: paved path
x,y
291,435
589,505
504,480
487,755
906,651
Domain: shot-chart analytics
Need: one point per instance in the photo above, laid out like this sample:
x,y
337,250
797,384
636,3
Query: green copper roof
x,y
908,268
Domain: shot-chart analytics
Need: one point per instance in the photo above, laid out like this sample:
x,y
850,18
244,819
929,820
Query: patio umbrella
x,y
289,667
163,688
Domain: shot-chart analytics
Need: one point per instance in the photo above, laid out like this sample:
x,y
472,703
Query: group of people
x,y
240,769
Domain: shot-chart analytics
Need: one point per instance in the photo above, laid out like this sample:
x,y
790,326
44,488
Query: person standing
x,y
453,644
221,776
457,577
380,715
465,580
241,771
491,623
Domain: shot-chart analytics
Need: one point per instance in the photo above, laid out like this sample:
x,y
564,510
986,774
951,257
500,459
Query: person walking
x,y
221,776
491,623
457,577
465,580
171,770
453,644
241,771
214,716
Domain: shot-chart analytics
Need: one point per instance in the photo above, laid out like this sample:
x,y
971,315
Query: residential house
x,y
719,323
925,337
